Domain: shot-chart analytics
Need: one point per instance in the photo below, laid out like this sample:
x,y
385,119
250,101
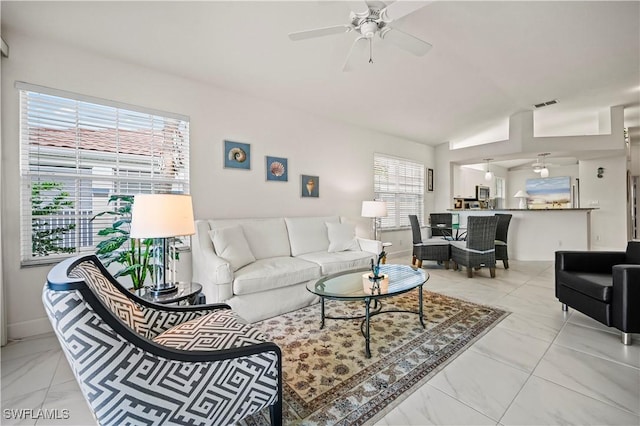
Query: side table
x,y
187,293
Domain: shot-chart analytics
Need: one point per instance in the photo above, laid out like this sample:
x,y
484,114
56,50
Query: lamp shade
x,y
374,209
161,216
520,194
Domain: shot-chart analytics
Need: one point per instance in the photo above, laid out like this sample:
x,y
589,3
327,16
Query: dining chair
x,y
441,224
478,250
436,249
501,238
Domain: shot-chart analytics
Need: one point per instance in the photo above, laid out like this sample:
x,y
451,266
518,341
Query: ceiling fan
x,y
374,18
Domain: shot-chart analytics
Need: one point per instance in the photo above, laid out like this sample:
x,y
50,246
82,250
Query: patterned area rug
x,y
327,379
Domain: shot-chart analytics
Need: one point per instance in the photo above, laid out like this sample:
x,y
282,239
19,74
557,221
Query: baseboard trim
x,y
23,329
399,253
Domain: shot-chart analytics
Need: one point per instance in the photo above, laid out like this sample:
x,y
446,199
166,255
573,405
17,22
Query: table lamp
x,y
523,199
161,216
376,210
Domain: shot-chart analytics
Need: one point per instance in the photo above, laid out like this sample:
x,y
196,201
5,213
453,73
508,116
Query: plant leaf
x,y
111,244
110,231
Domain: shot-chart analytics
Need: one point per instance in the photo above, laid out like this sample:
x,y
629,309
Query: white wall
x,y
341,155
3,311
609,195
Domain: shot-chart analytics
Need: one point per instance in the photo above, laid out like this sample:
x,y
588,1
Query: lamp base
x,y
159,290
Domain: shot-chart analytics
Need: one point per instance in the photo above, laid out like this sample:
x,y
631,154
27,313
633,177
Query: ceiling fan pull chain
x,y
370,52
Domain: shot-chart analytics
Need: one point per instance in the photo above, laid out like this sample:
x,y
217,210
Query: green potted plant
x,y
131,253
49,199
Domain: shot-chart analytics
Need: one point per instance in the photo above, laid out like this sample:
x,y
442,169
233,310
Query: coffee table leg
x,y
321,313
420,308
367,302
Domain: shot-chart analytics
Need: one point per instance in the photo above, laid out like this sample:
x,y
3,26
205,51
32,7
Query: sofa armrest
x,y
211,271
625,304
589,261
216,277
372,246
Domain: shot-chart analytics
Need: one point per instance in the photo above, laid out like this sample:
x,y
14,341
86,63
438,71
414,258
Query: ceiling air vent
x,y
544,104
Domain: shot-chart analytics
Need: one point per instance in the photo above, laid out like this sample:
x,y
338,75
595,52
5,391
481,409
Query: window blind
x,y
400,183
76,152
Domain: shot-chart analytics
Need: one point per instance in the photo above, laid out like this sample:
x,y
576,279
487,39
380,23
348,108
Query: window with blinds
x,y
77,152
400,183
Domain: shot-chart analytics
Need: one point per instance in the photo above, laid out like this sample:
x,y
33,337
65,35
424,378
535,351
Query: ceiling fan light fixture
x,y
369,29
544,172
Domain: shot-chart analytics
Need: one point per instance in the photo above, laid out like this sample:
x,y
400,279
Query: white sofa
x,y
261,266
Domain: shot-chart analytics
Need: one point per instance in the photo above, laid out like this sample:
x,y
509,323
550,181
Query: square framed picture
x,y
429,179
237,155
277,169
310,186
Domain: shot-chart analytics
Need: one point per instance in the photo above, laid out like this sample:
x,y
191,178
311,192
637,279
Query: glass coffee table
x,y
354,285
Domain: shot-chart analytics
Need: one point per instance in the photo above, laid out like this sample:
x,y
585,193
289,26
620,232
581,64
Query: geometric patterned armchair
x,y
142,363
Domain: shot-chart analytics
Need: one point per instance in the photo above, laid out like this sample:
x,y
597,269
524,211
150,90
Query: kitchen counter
x,y
536,234
524,210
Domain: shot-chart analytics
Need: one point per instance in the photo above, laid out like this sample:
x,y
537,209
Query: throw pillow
x,y
342,237
231,245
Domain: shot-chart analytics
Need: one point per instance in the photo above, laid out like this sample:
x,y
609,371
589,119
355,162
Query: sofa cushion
x,y
308,234
275,272
218,330
437,241
332,263
597,286
342,237
231,245
266,237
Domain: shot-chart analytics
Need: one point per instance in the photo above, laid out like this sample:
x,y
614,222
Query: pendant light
x,y
544,171
488,175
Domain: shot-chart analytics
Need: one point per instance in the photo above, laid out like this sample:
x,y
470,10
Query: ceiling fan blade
x,y
405,41
357,51
320,32
358,6
401,8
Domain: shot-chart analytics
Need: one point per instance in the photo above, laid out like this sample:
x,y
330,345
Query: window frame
x,y
111,148
408,174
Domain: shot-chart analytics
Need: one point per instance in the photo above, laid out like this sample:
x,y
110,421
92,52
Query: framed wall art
x,y
237,155
310,186
277,169
549,193
429,179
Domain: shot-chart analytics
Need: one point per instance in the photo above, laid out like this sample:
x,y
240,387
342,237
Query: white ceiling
x,y
488,61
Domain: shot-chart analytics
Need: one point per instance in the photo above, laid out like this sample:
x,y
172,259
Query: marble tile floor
x,y
539,366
